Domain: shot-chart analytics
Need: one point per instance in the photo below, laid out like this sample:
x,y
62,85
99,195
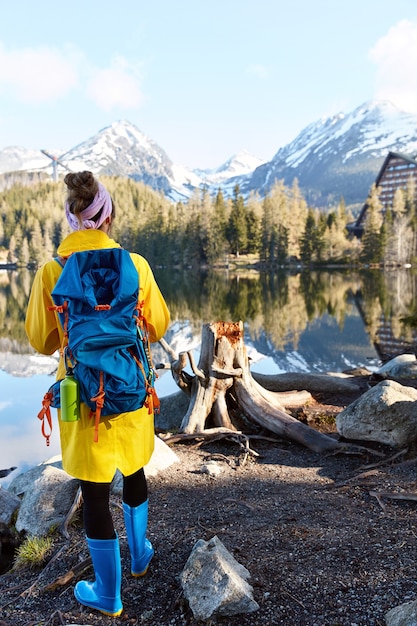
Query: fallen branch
x,y
27,592
315,383
215,434
51,620
353,480
392,496
69,576
209,434
387,460
63,528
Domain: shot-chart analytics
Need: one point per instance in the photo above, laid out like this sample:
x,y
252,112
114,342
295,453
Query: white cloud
x,y
44,74
116,86
37,75
258,70
395,55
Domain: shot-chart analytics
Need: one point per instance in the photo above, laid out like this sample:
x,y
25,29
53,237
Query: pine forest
x,y
209,231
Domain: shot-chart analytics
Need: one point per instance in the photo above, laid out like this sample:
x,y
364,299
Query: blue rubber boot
x,y
141,550
104,593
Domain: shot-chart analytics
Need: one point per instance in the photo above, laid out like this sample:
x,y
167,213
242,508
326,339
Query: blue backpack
x,y
106,343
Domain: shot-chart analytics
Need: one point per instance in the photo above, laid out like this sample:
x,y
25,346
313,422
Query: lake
x,y
310,322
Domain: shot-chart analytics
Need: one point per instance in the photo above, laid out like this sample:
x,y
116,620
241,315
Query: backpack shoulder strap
x,y
61,260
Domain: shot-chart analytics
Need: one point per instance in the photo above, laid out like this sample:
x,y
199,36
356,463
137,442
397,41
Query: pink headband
x,y
102,200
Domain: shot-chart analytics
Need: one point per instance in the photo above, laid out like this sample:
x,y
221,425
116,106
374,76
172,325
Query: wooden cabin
x,y
395,173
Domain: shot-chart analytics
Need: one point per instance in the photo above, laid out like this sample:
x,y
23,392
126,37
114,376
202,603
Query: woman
x,y
125,441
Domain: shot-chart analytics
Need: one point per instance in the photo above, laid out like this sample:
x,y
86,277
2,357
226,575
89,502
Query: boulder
x,y
387,413
48,492
214,583
47,502
24,481
162,458
402,366
403,615
171,412
9,503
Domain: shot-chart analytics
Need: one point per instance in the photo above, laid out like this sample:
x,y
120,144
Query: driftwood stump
x,y
223,375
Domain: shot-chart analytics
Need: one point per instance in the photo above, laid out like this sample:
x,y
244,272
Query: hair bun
x,y
81,185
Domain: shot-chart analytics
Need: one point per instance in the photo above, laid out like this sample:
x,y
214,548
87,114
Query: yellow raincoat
x,y
125,441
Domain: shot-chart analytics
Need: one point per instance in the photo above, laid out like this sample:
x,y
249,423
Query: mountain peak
x,y
124,128
121,149
335,156
241,163
340,155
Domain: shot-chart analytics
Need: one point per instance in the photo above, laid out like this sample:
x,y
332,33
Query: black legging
x,y
98,522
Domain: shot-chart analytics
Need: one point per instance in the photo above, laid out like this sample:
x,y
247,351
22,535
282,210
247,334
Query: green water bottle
x,y
70,399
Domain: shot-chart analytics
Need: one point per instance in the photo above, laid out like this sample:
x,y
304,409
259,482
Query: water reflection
x,y
280,305
310,321
21,442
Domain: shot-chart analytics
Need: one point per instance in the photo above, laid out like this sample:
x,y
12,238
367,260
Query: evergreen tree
x,y
282,243
217,245
237,229
148,223
399,205
24,256
268,231
253,233
308,239
12,252
36,244
372,242
297,215
336,244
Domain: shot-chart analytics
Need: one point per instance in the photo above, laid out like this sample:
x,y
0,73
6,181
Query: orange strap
x,y
99,400
152,402
45,413
63,308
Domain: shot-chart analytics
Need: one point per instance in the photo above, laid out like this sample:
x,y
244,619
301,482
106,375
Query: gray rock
x,y
387,413
214,583
172,410
403,615
47,502
24,482
6,472
211,468
9,503
402,366
48,492
162,458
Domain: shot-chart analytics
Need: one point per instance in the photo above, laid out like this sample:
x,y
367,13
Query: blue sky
x,y
202,79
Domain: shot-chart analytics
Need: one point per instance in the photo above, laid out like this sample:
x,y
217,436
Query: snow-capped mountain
x,y
16,158
121,149
233,172
340,155
333,157
240,164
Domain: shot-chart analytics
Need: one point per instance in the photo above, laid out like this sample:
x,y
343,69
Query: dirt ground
x,y
321,548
